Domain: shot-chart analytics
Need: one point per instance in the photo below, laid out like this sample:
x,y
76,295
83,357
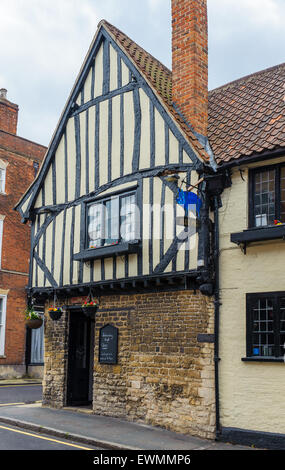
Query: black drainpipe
x,y
217,312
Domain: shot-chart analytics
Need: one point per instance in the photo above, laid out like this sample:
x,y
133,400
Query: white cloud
x,y
155,4
230,17
244,37
45,44
46,28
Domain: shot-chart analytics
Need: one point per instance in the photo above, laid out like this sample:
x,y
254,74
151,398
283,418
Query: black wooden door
x,y
79,359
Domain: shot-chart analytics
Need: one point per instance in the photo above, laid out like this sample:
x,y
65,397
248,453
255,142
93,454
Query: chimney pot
x,y
3,93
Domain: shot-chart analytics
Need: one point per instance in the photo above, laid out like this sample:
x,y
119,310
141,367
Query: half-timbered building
x,y
110,220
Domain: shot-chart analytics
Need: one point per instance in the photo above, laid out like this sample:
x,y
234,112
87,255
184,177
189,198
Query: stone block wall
x,y
164,376
55,363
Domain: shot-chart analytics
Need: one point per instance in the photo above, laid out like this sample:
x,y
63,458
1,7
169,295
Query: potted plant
x,y
55,313
90,307
33,319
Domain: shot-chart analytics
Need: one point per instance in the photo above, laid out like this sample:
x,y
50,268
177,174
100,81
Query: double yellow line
x,y
44,438
19,385
13,404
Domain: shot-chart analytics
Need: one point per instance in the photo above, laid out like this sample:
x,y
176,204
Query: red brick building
x,y
19,162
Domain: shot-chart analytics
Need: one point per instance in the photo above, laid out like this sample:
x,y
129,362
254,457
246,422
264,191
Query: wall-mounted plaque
x,y
108,345
205,338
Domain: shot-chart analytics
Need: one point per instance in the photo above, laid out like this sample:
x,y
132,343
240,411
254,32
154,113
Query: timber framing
x,y
104,37
127,286
115,135
118,182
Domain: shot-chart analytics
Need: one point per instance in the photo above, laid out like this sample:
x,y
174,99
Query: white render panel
x,y
116,139
60,168
103,143
159,139
71,153
91,145
129,126
99,73
113,69
87,87
145,131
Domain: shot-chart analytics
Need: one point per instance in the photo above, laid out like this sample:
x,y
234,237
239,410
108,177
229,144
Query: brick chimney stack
x,y
8,114
190,61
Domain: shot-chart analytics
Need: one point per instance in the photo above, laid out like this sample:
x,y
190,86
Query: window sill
x,y
108,251
258,234
263,359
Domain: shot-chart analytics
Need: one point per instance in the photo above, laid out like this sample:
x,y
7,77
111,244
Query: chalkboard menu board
x,y
108,345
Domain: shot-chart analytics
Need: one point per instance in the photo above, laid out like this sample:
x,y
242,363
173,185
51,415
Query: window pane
x,y
37,345
282,196
2,320
2,180
112,221
264,199
95,226
263,337
128,213
282,326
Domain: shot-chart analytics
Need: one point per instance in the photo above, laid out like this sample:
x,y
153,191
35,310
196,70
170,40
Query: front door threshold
x,y
80,409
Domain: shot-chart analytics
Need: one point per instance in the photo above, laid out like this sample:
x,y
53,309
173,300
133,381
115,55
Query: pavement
x,y
81,425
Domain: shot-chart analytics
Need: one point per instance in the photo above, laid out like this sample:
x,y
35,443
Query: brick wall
x,y
18,156
8,116
15,327
19,145
163,377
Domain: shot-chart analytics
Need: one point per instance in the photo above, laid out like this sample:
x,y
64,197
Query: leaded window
x,y
267,196
266,325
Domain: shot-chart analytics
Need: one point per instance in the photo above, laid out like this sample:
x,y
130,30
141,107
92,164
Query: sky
x,y
44,42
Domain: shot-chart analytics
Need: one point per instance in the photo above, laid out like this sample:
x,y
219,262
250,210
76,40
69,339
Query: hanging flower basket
x,y
32,319
34,324
55,313
90,307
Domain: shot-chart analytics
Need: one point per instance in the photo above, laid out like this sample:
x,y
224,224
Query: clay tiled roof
x,y
246,116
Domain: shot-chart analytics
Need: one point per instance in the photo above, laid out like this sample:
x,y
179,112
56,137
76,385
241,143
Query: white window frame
x,y
2,180
3,325
125,226
1,240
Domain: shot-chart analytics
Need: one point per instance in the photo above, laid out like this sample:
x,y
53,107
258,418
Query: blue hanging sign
x,y
187,198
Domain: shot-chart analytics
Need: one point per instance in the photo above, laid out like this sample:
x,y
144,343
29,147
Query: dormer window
x,y
267,196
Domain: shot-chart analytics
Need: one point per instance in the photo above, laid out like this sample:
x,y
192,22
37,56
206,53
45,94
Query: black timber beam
x,y
170,282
